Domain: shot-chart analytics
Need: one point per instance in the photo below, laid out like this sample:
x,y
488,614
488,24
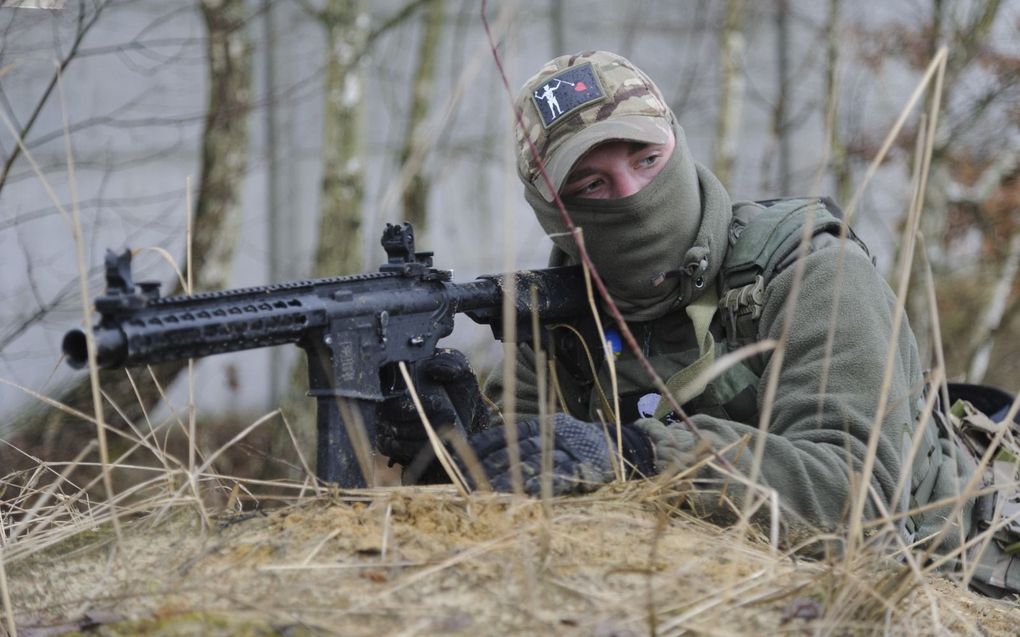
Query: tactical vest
x,y
764,238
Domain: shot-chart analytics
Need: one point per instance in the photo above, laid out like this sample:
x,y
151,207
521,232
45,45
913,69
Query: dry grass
x,y
427,560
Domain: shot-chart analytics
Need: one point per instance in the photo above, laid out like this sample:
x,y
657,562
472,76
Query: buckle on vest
x,y
743,307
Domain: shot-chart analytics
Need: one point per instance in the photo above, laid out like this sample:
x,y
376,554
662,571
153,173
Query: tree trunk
x,y
838,161
557,32
215,228
416,189
731,94
779,112
224,144
341,191
342,187
984,332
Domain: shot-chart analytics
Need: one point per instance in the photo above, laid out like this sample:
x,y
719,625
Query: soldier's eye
x,y
584,188
649,160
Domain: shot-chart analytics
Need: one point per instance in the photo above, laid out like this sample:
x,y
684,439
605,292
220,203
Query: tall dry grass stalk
x,y
43,520
509,310
86,299
43,499
449,465
189,288
851,209
542,364
610,362
926,140
5,594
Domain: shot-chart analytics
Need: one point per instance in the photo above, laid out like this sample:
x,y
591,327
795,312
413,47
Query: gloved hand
x,y
580,455
400,434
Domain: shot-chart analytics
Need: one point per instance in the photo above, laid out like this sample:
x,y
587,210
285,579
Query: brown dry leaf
x,y
375,575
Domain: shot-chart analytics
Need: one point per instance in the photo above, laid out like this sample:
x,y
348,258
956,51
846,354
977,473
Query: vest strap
x,y
680,384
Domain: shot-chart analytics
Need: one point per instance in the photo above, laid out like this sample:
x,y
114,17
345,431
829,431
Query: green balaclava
x,y
657,249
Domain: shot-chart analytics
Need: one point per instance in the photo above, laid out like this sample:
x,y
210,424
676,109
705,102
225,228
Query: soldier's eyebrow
x,y
637,147
580,173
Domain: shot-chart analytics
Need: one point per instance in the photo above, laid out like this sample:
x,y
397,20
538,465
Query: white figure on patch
x,y
548,94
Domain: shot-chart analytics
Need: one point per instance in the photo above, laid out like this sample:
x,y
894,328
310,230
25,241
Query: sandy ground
x,y
425,561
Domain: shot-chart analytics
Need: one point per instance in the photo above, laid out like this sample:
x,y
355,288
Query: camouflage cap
x,y
577,101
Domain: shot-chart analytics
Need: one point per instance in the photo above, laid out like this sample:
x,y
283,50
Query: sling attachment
x,y
741,308
680,384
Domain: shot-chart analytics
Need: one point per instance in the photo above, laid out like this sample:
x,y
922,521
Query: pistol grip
x,y
424,469
425,385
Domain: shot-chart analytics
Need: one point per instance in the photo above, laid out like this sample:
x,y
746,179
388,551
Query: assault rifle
x,y
353,329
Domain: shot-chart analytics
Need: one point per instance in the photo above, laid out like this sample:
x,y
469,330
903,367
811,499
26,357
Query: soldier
x,y
695,276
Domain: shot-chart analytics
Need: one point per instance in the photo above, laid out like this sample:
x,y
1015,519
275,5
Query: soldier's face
x,y
616,169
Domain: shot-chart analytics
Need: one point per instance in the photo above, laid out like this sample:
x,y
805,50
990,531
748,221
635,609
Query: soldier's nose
x,y
627,184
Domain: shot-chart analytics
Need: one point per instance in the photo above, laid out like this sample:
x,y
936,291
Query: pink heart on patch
x,y
580,86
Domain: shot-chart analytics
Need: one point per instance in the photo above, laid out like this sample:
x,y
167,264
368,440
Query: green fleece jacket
x,y
816,437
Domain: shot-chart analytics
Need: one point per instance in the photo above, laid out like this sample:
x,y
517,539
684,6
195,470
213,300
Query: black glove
x,y
580,455
448,391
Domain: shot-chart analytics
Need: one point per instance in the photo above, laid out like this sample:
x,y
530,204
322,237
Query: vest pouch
x,y
997,557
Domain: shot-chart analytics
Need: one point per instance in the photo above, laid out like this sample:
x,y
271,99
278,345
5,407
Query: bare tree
x,y
224,143
349,33
731,96
779,111
85,22
977,127
416,190
557,32
839,164
341,189
342,186
968,34
224,150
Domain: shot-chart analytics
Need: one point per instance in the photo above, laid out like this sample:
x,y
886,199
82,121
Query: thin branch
x,y
23,133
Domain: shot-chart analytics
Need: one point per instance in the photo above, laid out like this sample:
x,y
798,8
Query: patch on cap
x,y
576,101
566,92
